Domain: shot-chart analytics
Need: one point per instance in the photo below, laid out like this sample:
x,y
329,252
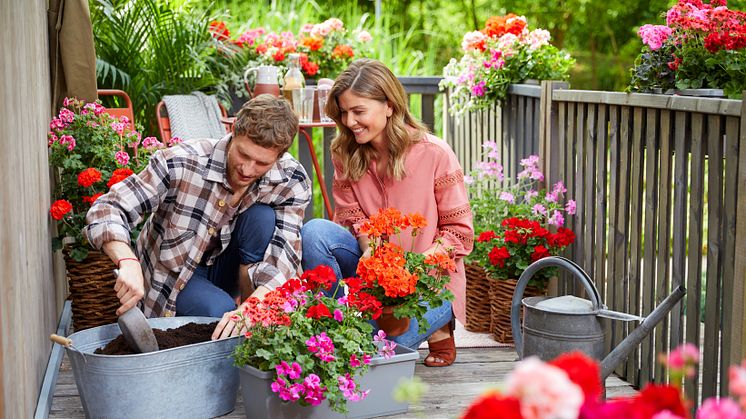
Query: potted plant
x,y
701,46
504,52
89,151
308,354
325,50
515,225
405,282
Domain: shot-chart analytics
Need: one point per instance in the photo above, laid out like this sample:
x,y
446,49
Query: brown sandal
x,y
443,352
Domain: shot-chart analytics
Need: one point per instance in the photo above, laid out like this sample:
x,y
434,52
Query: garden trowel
x,y
136,330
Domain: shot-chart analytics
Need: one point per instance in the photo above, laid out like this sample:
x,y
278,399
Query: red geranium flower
x,y
321,276
118,176
318,311
498,255
540,252
60,208
486,236
91,199
493,405
88,177
583,371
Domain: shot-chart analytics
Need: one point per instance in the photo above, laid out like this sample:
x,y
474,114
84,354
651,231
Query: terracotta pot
x,y
390,324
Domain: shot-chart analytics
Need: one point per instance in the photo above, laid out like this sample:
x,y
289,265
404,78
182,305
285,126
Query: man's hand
x,y
130,285
228,326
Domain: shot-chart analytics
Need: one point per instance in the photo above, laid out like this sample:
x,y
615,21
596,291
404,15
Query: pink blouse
x,y
434,187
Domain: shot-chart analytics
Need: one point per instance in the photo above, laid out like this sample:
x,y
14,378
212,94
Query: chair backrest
x,y
127,110
164,124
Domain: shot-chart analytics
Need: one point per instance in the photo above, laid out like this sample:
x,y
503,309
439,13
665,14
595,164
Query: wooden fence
x,y
660,185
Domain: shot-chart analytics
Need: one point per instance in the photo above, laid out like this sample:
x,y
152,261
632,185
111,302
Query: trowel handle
x,y
551,261
60,340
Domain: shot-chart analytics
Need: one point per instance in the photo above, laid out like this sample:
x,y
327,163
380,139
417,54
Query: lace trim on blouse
x,y
466,240
350,215
454,214
449,179
342,184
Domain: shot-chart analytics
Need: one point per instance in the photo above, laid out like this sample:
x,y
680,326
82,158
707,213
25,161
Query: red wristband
x,y
120,260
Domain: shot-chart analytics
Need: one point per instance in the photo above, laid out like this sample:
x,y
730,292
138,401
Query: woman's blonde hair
x,y
371,79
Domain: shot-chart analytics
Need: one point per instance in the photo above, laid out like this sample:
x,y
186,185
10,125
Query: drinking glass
x,y
305,105
323,95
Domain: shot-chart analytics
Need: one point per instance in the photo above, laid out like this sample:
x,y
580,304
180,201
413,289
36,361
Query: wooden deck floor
x,y
451,389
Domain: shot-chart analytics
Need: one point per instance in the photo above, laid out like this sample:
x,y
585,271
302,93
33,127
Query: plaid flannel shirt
x,y
185,187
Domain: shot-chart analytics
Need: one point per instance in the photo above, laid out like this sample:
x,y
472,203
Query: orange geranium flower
x,y
313,43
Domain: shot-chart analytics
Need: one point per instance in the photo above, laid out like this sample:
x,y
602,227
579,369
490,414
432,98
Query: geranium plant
x,y
317,346
516,223
325,48
399,278
503,53
570,387
702,45
89,151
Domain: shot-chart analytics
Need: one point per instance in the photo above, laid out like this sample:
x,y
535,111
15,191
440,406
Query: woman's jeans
x,y
328,243
211,290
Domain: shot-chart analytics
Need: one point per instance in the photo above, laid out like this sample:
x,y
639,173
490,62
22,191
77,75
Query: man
x,y
226,218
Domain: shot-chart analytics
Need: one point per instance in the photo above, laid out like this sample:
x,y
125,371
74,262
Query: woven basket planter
x,y
501,298
91,283
477,299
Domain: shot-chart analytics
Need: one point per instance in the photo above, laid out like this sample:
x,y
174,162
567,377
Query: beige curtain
x,y
72,54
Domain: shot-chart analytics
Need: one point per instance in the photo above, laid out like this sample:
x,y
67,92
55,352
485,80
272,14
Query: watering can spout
x,y
621,351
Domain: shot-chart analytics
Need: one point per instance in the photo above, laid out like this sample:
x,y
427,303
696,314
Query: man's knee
x,y
254,229
314,232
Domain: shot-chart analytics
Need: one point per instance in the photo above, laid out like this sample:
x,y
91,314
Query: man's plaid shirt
x,y
185,187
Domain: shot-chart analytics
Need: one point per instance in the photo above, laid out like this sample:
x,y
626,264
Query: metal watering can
x,y
552,326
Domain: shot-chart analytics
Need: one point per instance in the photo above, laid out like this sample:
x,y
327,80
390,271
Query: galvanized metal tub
x,y
192,381
384,374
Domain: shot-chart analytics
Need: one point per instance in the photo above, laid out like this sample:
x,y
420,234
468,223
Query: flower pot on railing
x,y
261,402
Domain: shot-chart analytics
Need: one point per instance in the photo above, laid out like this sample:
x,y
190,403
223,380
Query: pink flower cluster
x,y
531,169
348,386
654,35
386,347
322,346
544,390
309,388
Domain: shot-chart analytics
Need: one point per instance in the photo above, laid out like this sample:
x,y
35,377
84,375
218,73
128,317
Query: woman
x,y
384,158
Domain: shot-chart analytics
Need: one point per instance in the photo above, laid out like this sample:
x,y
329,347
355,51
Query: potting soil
x,y
170,338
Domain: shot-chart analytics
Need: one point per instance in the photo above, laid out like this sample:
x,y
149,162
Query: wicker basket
x,y
501,298
477,299
91,283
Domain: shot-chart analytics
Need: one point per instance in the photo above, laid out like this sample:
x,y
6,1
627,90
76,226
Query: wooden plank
x,y
714,257
520,132
528,90
647,286
621,234
589,181
599,263
727,107
579,180
610,274
635,238
694,254
537,120
732,285
664,244
572,190
740,253
427,107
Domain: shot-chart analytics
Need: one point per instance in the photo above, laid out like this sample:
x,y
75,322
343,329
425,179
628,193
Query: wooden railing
x,y
660,185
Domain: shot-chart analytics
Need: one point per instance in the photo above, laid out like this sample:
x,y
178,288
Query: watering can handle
x,y
551,261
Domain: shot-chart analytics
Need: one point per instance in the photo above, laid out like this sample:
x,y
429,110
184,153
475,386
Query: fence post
x,y
549,130
737,333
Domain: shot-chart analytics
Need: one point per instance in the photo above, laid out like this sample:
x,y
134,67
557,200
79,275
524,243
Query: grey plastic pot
x,y
192,381
384,374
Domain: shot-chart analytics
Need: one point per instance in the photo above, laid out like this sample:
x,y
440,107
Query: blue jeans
x,y
211,289
328,243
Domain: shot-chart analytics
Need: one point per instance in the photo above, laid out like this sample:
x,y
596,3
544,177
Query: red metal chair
x,y
127,110
164,124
